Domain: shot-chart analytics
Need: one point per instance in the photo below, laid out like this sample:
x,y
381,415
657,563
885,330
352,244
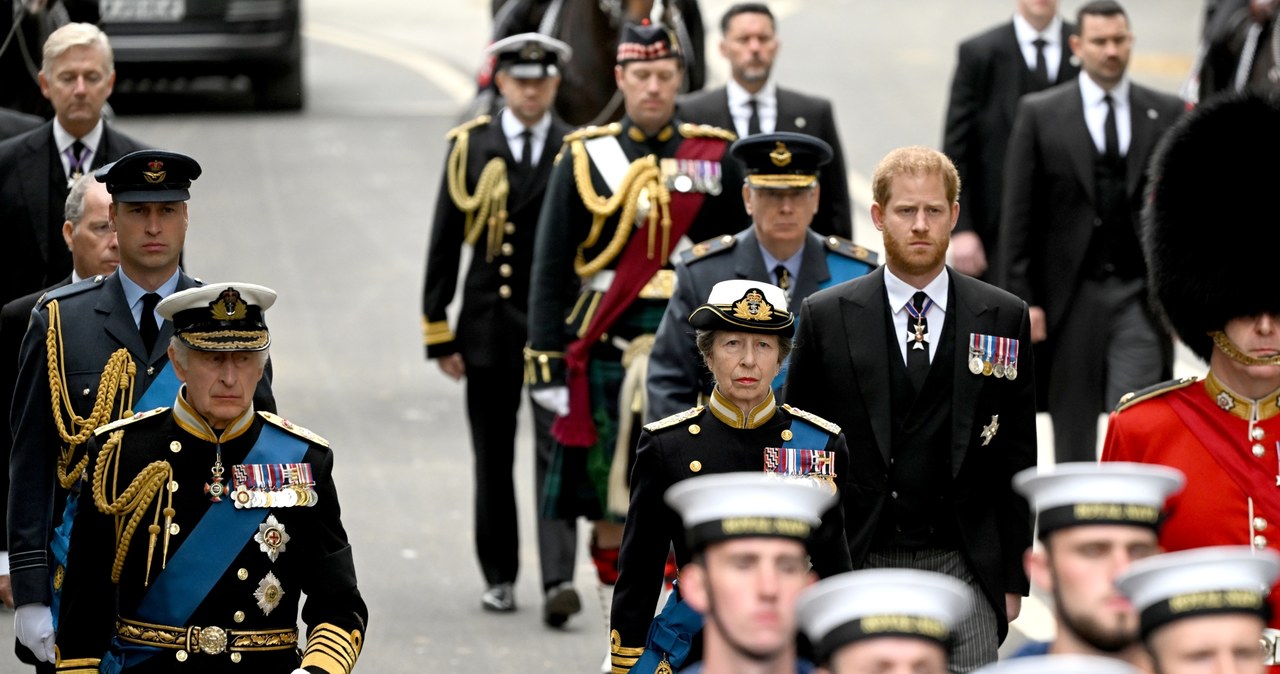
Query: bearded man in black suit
x,y
929,374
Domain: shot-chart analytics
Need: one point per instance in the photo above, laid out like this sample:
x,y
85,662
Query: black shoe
x,y
561,602
499,598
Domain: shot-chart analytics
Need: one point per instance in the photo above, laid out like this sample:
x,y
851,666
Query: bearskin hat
x,y
1211,230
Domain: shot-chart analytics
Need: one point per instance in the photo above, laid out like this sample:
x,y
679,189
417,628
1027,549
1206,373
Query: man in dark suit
x,y
37,167
103,327
87,232
994,69
488,349
778,248
751,102
1074,183
13,123
929,374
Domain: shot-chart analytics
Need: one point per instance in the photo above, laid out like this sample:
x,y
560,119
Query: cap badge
x,y
532,52
229,306
157,172
753,307
780,156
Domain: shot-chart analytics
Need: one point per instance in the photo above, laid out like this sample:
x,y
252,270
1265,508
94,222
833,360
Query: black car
x,y
261,39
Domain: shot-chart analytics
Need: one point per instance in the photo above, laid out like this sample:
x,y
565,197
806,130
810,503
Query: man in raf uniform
x,y
622,200
202,525
1220,432
494,182
781,194
109,358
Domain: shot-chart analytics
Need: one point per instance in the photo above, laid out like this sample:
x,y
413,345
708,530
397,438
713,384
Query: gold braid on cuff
x,y
332,649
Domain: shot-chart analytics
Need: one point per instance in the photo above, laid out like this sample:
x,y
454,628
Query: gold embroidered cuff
x,y
537,365
76,665
332,649
436,332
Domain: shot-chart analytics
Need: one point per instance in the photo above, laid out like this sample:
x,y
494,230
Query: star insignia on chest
x,y
989,431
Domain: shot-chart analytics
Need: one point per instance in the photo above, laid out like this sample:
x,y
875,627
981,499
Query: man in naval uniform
x,y
202,525
109,358
619,205
1221,432
490,197
781,194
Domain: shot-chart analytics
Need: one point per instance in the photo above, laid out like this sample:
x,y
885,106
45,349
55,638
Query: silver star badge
x,y
269,593
271,537
989,431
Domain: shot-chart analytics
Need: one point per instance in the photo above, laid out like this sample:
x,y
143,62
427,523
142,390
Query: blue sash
x,y
841,269
161,393
209,551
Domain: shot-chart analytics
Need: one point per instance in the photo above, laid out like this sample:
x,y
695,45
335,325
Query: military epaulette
x,y
297,430
674,419
814,419
466,127
707,131
121,423
589,132
1134,397
708,248
847,248
81,286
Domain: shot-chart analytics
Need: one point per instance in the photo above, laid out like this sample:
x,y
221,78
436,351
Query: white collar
x,y
738,97
1093,94
1026,33
63,138
512,127
900,291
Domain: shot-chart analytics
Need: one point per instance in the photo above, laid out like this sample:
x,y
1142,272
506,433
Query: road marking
x,y
455,83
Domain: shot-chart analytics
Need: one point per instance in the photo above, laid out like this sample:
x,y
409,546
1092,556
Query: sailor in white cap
x,y
1060,664
1205,609
1094,520
884,620
747,532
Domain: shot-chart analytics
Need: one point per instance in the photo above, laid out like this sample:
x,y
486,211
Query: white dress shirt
x,y
1052,35
512,128
900,293
1095,112
740,106
63,140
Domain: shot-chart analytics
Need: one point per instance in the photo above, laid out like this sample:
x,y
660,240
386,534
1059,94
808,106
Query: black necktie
x,y
784,279
917,339
526,152
147,323
753,122
1042,67
1109,130
75,157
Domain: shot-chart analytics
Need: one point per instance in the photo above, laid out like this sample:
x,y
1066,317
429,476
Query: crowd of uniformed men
x,y
739,399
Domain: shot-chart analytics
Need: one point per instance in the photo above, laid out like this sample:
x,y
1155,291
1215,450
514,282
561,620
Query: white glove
x,y
300,671
33,625
554,398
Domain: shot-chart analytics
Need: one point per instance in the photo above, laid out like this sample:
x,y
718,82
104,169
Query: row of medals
x,y
288,497
979,365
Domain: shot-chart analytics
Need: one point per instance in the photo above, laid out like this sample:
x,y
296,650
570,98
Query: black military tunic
x,y
700,442
254,594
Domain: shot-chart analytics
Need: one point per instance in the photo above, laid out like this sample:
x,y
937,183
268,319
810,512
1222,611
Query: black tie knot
x,y
1110,132
147,322
753,122
76,158
526,148
917,339
783,276
918,300
1042,63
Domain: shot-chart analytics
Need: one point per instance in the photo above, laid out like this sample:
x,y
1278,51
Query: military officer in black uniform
x,y
109,357
621,201
744,334
202,525
495,178
782,197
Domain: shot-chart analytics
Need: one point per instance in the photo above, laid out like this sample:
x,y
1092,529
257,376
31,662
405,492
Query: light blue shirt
x,y
792,265
133,294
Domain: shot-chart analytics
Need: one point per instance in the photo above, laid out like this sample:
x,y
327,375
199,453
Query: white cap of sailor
x,y
736,505
1060,664
1085,493
530,56
220,316
1200,582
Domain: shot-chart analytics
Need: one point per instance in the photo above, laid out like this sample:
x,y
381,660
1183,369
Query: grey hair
x,y
706,340
74,209
76,35
182,352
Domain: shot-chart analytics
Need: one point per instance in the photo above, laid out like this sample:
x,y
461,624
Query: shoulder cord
x,y
642,176
488,206
150,482
117,375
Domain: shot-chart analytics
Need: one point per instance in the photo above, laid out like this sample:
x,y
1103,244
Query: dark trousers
x,y
557,538
1106,346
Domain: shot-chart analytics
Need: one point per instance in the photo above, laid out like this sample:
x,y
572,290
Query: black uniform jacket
x,y
315,559
840,371
491,327
685,445
96,321
33,195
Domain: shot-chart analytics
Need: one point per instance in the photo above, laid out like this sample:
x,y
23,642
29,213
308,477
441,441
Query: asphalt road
x,y
332,207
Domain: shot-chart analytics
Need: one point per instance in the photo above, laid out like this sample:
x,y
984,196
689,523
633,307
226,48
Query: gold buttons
x,y
694,429
173,485
509,228
175,446
174,529
238,617
1259,524
504,291
181,655
504,270
508,249
242,574
235,658
786,434
695,465
1259,450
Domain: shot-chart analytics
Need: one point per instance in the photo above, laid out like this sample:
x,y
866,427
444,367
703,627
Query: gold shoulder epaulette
x,y
814,419
674,419
707,131
847,248
119,423
708,248
297,430
466,127
1134,397
588,132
